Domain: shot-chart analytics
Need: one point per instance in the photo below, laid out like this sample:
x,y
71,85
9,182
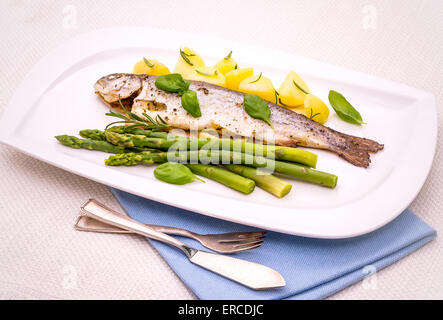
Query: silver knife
x,y
250,274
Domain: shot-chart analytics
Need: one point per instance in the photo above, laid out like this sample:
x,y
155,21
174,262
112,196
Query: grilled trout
x,y
223,109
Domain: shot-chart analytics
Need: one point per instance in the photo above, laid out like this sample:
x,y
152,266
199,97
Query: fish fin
x,y
363,144
356,150
358,158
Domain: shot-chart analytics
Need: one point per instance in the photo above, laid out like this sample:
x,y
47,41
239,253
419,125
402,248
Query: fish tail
x,y
357,150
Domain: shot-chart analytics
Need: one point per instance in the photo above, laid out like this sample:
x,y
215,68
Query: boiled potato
x,y
150,66
299,109
258,85
207,74
188,61
234,77
226,64
290,93
316,109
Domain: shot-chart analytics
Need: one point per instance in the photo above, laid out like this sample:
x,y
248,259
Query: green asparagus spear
x,y
132,159
93,134
89,144
133,140
223,176
274,185
269,151
138,131
228,157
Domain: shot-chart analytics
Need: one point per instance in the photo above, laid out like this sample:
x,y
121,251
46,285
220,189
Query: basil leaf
x,y
344,109
173,82
257,108
190,103
174,173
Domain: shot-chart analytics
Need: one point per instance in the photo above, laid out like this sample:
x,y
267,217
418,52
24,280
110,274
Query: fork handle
x,y
174,231
85,223
98,211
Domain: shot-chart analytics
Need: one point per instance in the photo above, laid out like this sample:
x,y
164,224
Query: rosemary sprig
x,y
185,56
312,116
259,77
299,87
135,121
150,65
228,56
284,105
276,96
278,99
207,74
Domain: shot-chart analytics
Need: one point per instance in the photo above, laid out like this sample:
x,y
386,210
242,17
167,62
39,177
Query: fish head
x,y
124,86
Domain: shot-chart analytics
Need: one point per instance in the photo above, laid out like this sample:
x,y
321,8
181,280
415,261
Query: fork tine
x,y
255,234
247,244
242,236
247,247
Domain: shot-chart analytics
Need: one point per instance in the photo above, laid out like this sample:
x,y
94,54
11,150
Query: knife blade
x,y
250,274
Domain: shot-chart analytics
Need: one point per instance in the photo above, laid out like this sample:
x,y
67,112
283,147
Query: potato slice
x,y
316,109
234,77
207,74
260,86
150,66
293,90
226,64
188,61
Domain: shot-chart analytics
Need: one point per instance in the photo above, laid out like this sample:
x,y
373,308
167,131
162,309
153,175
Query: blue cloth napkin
x,y
312,268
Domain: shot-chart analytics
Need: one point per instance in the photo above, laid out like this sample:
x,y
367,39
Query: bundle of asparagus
x,y
242,169
140,141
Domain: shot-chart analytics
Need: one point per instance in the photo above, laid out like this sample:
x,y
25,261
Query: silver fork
x,y
220,242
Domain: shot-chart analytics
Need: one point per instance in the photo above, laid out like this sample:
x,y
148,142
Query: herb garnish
x,y
131,118
344,109
228,56
175,173
175,83
190,103
257,108
150,65
259,77
185,56
276,96
207,74
278,99
312,116
299,87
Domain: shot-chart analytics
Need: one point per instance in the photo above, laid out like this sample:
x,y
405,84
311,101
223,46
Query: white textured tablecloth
x,y
42,256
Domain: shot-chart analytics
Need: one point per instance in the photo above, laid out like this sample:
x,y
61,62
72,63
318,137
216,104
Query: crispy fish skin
x,y
223,109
